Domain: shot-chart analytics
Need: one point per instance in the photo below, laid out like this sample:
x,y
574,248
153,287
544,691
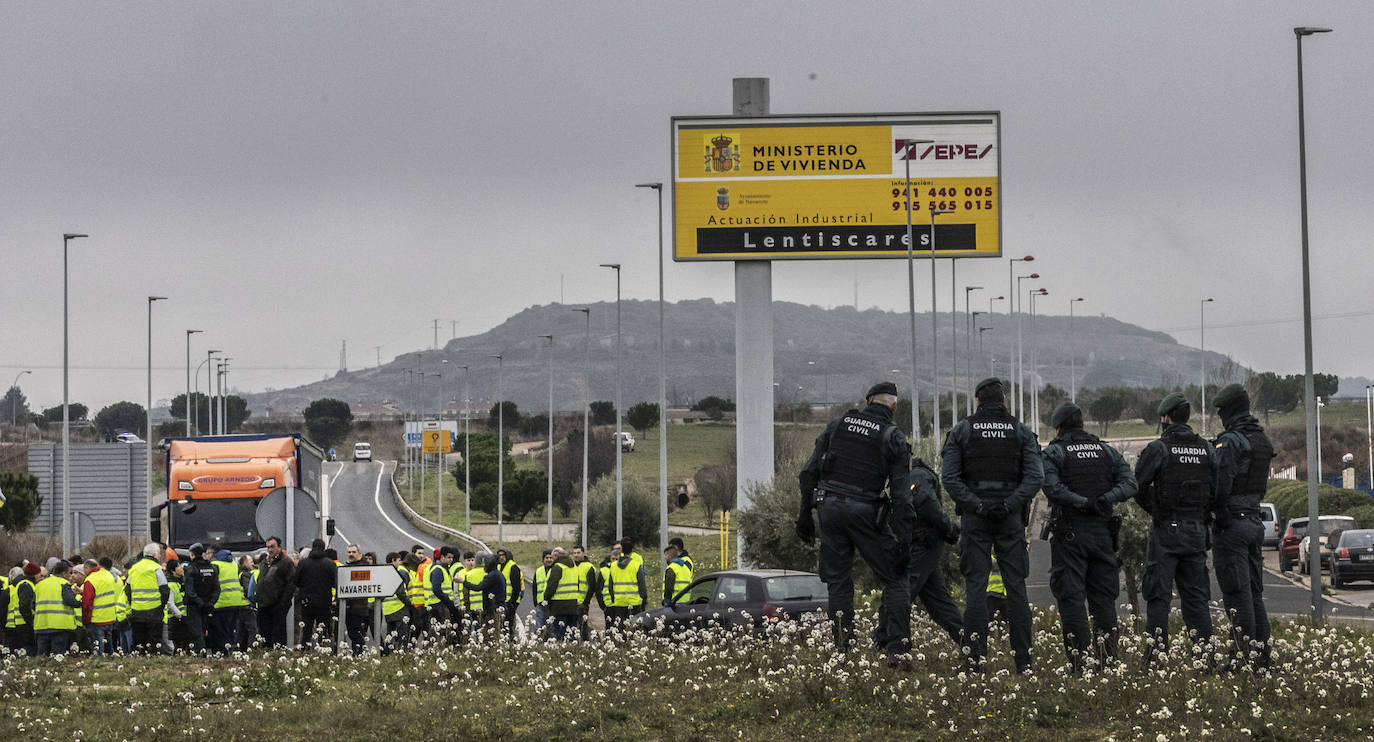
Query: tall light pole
x,y
1019,368
467,452
66,413
1309,387
1035,367
1202,364
662,388
968,348
619,481
189,333
500,454
935,344
1011,310
14,403
1320,405
586,414
195,408
907,146
991,371
1369,430
549,512
1073,370
148,411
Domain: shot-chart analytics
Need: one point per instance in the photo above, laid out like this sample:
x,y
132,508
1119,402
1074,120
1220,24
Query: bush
x,y
23,502
768,529
639,513
1363,515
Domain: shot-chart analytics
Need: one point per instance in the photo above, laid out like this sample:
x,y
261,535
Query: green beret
x,y
1062,413
1232,394
882,387
986,383
1168,404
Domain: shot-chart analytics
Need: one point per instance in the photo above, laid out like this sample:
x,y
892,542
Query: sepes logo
x,y
722,153
722,198
939,151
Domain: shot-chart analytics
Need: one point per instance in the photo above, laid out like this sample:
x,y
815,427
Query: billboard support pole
x,y
753,344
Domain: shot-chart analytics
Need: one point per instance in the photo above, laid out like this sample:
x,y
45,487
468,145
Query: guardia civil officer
x,y
1242,453
856,458
991,467
933,530
1176,477
1084,478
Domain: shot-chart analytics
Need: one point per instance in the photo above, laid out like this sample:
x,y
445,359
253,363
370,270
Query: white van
x,y
362,452
1270,515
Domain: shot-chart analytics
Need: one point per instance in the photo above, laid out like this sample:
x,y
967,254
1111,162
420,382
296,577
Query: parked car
x,y
1270,515
744,599
627,442
128,438
1328,525
362,452
1288,545
1352,555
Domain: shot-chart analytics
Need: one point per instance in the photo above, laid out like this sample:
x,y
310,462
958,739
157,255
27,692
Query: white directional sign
x,y
367,580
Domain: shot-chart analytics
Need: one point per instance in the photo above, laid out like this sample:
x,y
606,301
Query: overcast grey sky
x,y
293,175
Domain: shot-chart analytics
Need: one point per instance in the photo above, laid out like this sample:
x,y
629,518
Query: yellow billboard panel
x,y
437,441
807,187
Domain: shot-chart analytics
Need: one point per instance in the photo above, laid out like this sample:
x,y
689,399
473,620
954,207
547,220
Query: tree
x,y
506,415
1324,385
534,426
1274,393
236,412
1134,539
567,465
709,402
484,467
770,541
716,489
328,421
1050,397
14,405
1106,407
76,411
603,413
639,514
121,417
643,417
23,502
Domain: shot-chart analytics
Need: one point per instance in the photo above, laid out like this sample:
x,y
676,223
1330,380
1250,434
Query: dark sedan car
x,y
744,599
1352,556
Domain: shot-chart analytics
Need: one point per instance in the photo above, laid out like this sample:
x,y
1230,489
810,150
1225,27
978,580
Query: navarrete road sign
x,y
809,187
367,581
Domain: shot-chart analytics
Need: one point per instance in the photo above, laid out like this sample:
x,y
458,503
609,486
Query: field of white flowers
x,y
714,685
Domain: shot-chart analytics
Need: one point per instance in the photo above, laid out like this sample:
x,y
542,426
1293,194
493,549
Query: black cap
x,y
1232,394
1062,413
882,387
197,548
1170,402
986,383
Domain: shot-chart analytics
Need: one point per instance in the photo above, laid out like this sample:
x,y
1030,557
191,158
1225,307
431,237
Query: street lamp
x,y
187,412
500,454
1202,365
66,414
1320,405
467,452
1035,366
1369,431
991,371
907,146
1309,387
14,403
1011,310
1073,370
662,388
968,348
1019,368
586,413
195,409
549,512
934,343
619,476
148,411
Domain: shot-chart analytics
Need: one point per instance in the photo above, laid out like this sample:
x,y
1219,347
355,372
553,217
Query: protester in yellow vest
x,y
177,630
515,586
677,576
53,621
98,607
396,607
19,621
563,595
590,579
224,621
148,592
997,594
537,589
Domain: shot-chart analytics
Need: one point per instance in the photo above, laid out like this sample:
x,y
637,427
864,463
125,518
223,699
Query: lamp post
x,y
467,452
968,347
1073,370
907,146
14,403
662,387
1320,405
549,512
1202,364
1369,430
500,454
1011,310
1309,388
619,476
195,402
586,414
991,371
1019,367
189,333
934,343
148,411
66,391
1035,366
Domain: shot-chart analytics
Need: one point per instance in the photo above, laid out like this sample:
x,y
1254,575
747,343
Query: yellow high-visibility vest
x,y
512,591
625,585
143,590
230,589
49,612
445,586
995,586
104,604
570,584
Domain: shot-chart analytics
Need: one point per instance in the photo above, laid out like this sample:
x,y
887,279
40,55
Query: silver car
x,y
1270,515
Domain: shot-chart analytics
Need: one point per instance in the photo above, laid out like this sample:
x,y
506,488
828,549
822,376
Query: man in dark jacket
x,y
201,579
358,612
933,530
21,638
515,586
315,580
493,591
276,586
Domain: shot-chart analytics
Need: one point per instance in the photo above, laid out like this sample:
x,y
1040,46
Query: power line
x,y
1263,322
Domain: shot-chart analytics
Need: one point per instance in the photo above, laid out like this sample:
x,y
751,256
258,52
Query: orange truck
x,y
214,485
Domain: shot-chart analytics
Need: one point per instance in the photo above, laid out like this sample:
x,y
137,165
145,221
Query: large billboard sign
x,y
816,187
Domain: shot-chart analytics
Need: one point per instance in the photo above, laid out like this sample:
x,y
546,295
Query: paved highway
x,y
364,512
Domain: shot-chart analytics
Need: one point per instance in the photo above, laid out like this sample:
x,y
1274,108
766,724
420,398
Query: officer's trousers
x,y
926,580
846,524
1084,569
1007,538
1236,555
1177,556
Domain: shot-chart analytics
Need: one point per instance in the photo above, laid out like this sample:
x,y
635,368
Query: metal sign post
x,y
364,581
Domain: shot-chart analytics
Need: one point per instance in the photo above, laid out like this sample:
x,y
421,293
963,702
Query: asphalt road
x,y
364,512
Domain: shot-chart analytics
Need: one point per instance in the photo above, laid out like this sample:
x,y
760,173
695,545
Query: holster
x,y
884,510
1114,529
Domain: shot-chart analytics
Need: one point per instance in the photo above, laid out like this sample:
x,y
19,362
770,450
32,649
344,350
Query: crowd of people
x,y
163,602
